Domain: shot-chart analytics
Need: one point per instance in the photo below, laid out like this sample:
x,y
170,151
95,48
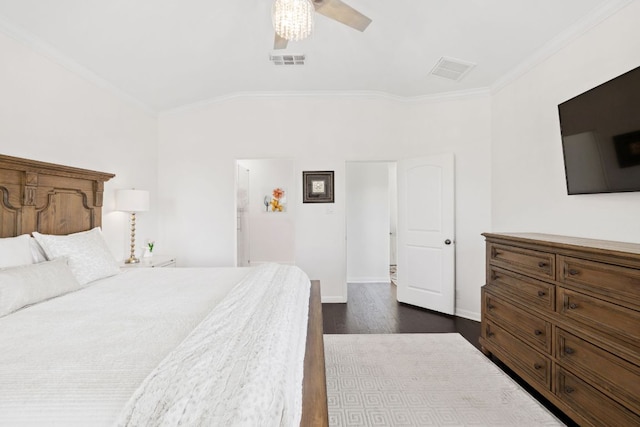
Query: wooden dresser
x,y
564,314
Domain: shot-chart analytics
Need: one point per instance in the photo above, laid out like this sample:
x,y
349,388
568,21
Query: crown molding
x,y
594,18
38,45
22,36
597,16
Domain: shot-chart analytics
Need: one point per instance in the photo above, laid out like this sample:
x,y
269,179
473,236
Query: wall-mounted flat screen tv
x,y
601,137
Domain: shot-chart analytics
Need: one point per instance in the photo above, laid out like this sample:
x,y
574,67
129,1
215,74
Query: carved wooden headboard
x,y
48,198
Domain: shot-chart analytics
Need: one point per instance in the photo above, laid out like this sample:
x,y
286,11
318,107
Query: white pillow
x,y
37,253
29,284
15,251
89,257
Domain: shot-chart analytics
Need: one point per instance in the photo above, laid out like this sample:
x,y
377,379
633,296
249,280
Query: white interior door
x,y
426,255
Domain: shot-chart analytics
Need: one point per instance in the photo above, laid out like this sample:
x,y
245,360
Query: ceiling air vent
x,y
451,68
287,59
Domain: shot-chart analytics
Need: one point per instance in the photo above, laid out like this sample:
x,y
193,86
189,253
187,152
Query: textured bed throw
x,y
242,366
422,380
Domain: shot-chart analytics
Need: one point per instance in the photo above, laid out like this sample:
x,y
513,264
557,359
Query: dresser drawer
x,y
520,357
614,321
609,372
594,406
532,292
525,325
609,280
526,261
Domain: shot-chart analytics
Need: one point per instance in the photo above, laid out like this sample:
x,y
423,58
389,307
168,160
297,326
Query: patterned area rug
x,y
422,380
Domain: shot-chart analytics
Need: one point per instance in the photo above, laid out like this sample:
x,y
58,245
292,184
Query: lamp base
x,y
132,257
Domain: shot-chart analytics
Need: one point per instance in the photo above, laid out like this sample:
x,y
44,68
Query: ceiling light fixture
x,y
292,19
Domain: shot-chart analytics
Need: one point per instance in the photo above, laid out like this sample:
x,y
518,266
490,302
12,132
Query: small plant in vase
x,y
148,251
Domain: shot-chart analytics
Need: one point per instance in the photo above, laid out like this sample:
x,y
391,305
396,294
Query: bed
x,y
186,346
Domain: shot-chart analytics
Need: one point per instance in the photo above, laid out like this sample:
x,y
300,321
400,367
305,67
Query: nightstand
x,y
156,261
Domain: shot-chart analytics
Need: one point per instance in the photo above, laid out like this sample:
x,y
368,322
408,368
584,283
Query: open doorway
x,y
425,228
371,210
266,224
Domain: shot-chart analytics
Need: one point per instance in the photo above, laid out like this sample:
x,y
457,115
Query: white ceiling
x,y
169,53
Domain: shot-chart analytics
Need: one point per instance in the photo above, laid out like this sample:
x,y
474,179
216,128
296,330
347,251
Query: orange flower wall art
x,y
277,202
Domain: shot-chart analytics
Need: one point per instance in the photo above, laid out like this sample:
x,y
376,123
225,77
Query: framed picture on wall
x,y
317,187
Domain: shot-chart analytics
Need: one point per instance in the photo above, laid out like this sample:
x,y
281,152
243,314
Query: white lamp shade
x,y
132,200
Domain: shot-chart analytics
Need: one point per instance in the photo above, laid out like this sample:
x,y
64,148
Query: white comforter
x,y
78,359
244,361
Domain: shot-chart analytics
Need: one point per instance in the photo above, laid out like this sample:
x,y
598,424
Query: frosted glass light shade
x,y
292,19
132,200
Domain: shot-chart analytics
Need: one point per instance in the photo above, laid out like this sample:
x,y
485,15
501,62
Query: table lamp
x,y
132,201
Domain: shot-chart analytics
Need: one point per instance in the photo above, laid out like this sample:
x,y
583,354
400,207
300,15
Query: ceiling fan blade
x,y
342,12
280,42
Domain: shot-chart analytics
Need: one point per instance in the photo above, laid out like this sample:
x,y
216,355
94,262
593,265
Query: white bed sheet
x,y
91,367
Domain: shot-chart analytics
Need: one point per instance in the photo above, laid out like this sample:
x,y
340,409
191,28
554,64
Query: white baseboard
x,y
471,315
380,279
334,299
256,263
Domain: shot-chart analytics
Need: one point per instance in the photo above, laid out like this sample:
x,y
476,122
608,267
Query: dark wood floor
x,y
373,309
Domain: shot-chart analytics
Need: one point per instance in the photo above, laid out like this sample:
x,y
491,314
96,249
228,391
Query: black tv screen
x,y
601,137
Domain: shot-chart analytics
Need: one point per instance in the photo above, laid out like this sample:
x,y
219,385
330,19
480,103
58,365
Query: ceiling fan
x,y
336,10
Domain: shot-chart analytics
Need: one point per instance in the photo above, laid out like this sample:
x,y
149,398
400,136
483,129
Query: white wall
x,y
509,171
198,148
368,222
50,114
528,182
463,128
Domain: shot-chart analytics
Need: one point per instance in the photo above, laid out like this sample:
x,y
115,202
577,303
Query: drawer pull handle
x,y
573,272
490,334
537,366
569,350
541,293
537,332
568,390
573,306
490,306
542,264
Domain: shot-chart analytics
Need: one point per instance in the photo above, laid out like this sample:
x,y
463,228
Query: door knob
x,y
447,242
